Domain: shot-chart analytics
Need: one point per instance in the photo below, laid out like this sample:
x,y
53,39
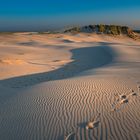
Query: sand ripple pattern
x,y
51,110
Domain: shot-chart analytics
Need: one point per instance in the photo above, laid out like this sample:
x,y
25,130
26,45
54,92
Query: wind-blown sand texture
x,y
69,87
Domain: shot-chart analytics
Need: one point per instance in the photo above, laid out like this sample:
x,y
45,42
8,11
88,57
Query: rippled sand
x,y
52,86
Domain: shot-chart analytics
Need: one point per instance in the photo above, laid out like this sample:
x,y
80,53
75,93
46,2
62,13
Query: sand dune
x,y
94,75
83,59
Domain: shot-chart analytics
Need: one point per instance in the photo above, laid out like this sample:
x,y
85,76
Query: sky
x,y
43,15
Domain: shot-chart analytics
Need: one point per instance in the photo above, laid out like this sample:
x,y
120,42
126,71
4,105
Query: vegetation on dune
x,y
107,29
73,30
119,30
102,28
113,30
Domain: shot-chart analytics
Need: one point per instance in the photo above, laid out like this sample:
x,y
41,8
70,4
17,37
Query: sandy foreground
x,y
53,86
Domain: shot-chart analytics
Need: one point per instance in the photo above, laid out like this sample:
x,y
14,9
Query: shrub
x,y
119,30
102,28
113,30
124,29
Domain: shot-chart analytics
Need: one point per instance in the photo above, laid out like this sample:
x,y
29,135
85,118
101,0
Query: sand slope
x,y
99,75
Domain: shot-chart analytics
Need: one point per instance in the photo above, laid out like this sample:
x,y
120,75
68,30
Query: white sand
x,y
54,85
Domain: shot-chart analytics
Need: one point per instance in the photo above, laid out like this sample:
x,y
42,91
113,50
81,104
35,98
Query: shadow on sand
x,y
83,59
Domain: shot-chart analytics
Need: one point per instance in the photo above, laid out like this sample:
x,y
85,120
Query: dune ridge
x,y
83,59
100,76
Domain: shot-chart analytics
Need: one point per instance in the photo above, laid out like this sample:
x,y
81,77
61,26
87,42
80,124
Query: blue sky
x,y
53,14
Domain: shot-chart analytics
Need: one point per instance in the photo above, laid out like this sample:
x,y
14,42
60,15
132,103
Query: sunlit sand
x,y
69,86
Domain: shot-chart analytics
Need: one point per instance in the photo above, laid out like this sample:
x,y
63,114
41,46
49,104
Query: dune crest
x,y
69,86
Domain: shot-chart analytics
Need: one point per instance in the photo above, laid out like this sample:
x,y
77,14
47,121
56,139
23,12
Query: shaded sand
x,y
95,75
83,59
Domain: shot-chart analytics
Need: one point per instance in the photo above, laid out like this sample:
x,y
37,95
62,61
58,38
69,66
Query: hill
x,y
105,29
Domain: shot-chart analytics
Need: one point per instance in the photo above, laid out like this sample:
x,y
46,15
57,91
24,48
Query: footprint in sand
x,y
133,93
66,137
94,123
138,87
121,99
